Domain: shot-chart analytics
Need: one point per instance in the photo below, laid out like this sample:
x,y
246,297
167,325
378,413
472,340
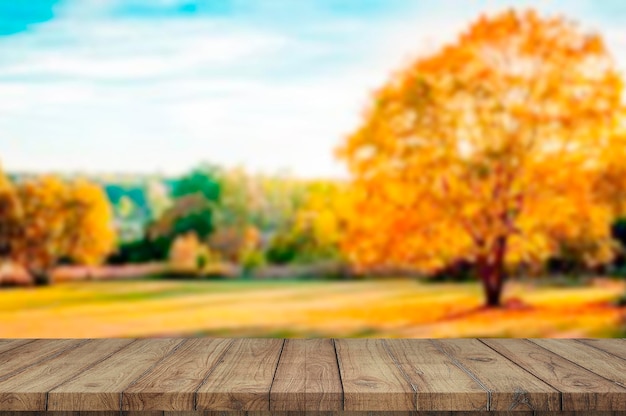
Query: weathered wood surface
x,y
323,377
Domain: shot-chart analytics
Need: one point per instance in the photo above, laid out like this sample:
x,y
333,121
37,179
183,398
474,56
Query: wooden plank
x,y
302,413
7,413
243,379
617,347
504,413
201,413
26,390
511,388
371,380
400,413
100,388
598,361
9,344
85,413
307,377
581,390
267,413
17,359
527,413
93,413
211,413
355,413
572,413
132,413
392,413
294,377
440,383
172,384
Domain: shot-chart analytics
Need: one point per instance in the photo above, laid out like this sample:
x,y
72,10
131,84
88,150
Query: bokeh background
x,y
327,168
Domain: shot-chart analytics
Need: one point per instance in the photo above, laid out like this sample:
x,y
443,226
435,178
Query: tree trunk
x,y
492,273
493,292
40,277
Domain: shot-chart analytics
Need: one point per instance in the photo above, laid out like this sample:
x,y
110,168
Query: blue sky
x,y
162,85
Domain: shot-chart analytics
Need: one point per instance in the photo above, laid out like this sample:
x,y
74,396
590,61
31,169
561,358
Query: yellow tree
x,y
185,251
322,217
491,150
89,232
10,216
62,219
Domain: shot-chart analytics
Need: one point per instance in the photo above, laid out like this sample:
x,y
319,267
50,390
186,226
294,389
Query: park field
x,y
371,308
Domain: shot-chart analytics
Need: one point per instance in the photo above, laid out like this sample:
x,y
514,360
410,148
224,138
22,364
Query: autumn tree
x,y
10,216
495,149
317,227
266,202
253,208
62,220
189,255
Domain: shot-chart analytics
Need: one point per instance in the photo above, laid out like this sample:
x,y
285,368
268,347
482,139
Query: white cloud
x,y
97,93
193,89
135,48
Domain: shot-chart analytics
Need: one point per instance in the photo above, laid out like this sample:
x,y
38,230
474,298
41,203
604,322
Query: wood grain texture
x,y
14,360
307,377
616,347
243,379
27,389
302,413
581,390
441,385
350,413
317,377
172,384
9,344
131,413
371,379
100,387
9,413
598,361
511,387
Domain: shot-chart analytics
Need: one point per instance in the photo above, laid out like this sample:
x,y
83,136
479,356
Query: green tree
x,y
195,197
203,180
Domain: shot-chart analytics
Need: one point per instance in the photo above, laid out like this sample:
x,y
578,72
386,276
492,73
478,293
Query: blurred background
x,y
328,168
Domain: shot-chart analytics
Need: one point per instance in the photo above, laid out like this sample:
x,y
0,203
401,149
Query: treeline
x,y
211,221
230,217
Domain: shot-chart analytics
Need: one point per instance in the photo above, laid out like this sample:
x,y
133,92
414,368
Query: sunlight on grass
x,y
386,308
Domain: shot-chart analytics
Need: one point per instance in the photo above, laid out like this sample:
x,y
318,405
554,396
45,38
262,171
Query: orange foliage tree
x,y
495,149
62,220
188,254
10,214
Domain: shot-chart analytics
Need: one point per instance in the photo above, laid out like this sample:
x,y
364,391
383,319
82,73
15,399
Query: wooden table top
x,y
198,374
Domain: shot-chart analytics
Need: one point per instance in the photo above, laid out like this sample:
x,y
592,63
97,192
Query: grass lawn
x,y
382,308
